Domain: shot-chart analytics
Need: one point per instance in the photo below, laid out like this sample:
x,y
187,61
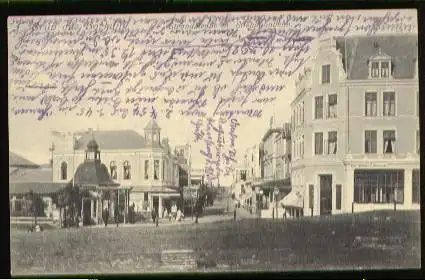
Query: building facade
x,y
275,166
144,163
355,126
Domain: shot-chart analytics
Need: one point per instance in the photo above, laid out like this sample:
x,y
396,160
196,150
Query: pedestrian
x,y
105,216
153,214
116,215
234,214
157,218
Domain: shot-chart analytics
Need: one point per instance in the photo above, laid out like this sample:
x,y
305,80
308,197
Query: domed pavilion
x,y
101,192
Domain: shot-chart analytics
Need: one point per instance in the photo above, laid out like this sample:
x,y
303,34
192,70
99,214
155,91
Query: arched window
x,y
64,171
127,170
113,170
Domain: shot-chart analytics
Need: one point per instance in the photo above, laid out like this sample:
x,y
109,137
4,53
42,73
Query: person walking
x,y
157,218
106,216
153,214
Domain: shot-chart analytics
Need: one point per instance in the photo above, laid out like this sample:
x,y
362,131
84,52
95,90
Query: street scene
x,y
227,142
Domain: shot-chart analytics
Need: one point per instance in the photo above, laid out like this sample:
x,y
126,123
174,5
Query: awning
x,y
293,199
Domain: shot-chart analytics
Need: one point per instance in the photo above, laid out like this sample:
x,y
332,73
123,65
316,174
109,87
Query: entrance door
x,y
155,202
87,212
325,194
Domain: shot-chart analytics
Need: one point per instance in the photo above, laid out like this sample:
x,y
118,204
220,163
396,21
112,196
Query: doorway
x,y
87,212
155,202
325,194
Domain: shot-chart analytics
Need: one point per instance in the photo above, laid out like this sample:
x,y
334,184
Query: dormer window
x,y
380,66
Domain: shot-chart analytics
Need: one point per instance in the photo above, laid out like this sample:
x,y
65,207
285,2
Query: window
x,y
332,142
127,170
326,74
375,69
318,143
318,107
370,141
64,171
113,169
389,104
163,169
378,186
380,68
146,169
370,104
389,141
302,113
332,105
416,184
418,142
338,189
156,169
385,69
243,175
145,196
311,196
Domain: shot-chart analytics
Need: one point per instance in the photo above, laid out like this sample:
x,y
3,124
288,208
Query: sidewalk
x,y
166,222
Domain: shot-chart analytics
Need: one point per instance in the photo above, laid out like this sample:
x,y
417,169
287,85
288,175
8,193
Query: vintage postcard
x,y
267,141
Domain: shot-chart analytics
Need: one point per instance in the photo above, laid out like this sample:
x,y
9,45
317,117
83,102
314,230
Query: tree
x,y
69,199
35,205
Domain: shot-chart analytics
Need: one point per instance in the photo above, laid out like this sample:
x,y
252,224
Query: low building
x,y
25,177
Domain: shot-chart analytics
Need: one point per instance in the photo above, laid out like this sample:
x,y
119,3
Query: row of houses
x,y
114,162
353,142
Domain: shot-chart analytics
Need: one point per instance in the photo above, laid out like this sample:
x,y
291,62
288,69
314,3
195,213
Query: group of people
x,y
175,214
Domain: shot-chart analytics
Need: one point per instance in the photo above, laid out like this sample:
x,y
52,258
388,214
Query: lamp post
x,y
276,192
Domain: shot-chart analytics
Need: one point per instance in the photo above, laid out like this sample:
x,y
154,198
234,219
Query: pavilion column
x,y
92,209
160,206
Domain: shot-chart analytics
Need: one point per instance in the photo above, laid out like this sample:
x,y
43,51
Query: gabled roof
x,y
16,160
36,187
93,173
356,51
115,140
31,175
38,180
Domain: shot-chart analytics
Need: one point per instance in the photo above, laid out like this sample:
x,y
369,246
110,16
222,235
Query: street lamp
x,y
276,192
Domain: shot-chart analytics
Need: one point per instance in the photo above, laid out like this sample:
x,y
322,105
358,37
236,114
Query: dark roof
x,y
403,49
92,145
93,173
152,125
36,187
19,161
25,175
269,132
115,140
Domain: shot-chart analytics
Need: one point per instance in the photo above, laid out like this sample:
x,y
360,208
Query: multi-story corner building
x,y
144,163
355,126
275,166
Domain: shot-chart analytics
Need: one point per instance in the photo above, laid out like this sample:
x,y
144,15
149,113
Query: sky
x,y
31,138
